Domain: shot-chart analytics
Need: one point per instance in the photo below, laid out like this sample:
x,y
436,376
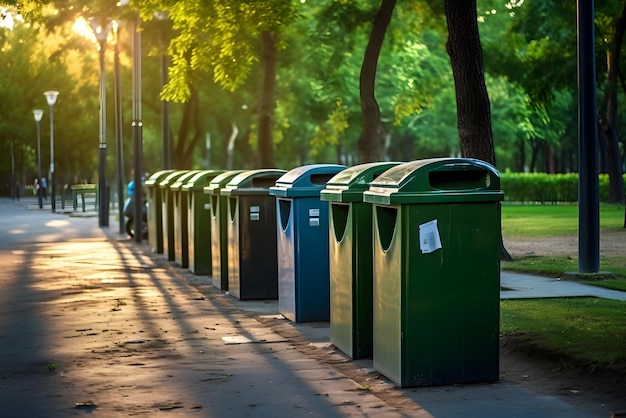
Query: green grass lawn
x,y
591,331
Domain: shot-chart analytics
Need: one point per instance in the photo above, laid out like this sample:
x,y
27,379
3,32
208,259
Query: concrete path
x,y
92,324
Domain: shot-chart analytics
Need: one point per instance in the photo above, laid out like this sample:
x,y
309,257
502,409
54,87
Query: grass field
x,y
590,331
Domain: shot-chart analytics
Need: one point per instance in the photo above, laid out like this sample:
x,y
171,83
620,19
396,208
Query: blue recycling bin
x,y
251,231
219,237
302,240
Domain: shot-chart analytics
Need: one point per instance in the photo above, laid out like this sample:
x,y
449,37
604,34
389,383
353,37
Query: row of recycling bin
x,y
402,258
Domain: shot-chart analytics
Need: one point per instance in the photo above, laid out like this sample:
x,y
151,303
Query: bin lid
x,y
436,180
348,185
220,181
200,179
156,177
171,178
182,180
252,182
307,180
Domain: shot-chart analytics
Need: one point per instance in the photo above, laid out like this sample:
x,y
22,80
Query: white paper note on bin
x,y
429,237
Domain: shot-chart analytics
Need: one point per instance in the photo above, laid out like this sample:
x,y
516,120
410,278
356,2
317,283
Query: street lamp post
x,y
38,115
51,98
101,28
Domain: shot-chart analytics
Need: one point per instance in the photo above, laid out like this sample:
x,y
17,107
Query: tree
x,y
472,100
367,144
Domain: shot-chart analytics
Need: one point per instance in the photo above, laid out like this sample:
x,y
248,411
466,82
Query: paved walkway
x,y
92,324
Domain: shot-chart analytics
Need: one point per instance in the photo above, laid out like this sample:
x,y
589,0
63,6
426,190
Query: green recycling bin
x,y
181,223
351,258
303,273
167,212
251,230
219,237
153,199
199,222
436,274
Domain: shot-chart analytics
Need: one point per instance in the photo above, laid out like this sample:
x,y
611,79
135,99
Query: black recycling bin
x,y
251,230
436,280
303,272
199,222
219,237
351,258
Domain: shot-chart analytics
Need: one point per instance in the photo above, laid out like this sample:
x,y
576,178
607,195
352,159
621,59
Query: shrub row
x,y
546,188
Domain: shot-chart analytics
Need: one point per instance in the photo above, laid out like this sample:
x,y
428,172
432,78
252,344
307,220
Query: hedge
x,y
546,188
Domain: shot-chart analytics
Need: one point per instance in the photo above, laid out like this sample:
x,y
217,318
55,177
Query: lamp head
x,y
38,114
101,27
51,97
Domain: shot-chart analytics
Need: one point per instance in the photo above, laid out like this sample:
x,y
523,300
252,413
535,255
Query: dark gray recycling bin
x,y
167,212
436,272
251,230
351,258
199,222
303,271
219,237
155,210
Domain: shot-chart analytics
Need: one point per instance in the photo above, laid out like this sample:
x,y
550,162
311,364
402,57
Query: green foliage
x,y
546,188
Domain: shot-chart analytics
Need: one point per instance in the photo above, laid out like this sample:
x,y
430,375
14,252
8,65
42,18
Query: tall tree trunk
x,y
369,151
472,100
608,124
189,133
267,103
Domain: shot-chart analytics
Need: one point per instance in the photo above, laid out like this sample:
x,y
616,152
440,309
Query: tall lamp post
x,y
137,126
101,28
38,115
51,98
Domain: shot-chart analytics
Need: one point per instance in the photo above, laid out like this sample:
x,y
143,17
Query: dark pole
x,y
588,188
38,114
137,131
52,185
103,213
165,118
119,134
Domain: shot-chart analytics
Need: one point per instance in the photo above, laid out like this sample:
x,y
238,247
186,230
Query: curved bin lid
x,y
182,180
171,178
220,181
200,180
436,180
156,177
252,182
350,184
307,180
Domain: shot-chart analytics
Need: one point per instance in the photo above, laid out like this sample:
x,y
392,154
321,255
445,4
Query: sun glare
x,y
82,27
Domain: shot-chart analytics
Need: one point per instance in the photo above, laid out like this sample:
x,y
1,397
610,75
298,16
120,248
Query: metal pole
x,y
588,187
165,118
52,185
103,213
137,131
119,135
39,192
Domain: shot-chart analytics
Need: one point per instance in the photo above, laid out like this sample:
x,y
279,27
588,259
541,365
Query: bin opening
x,y
284,209
459,179
386,225
339,214
233,208
214,206
321,178
263,182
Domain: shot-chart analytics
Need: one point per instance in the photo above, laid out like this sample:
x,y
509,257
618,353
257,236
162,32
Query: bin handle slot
x,y
214,206
284,209
321,178
386,224
233,207
339,215
453,178
263,182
